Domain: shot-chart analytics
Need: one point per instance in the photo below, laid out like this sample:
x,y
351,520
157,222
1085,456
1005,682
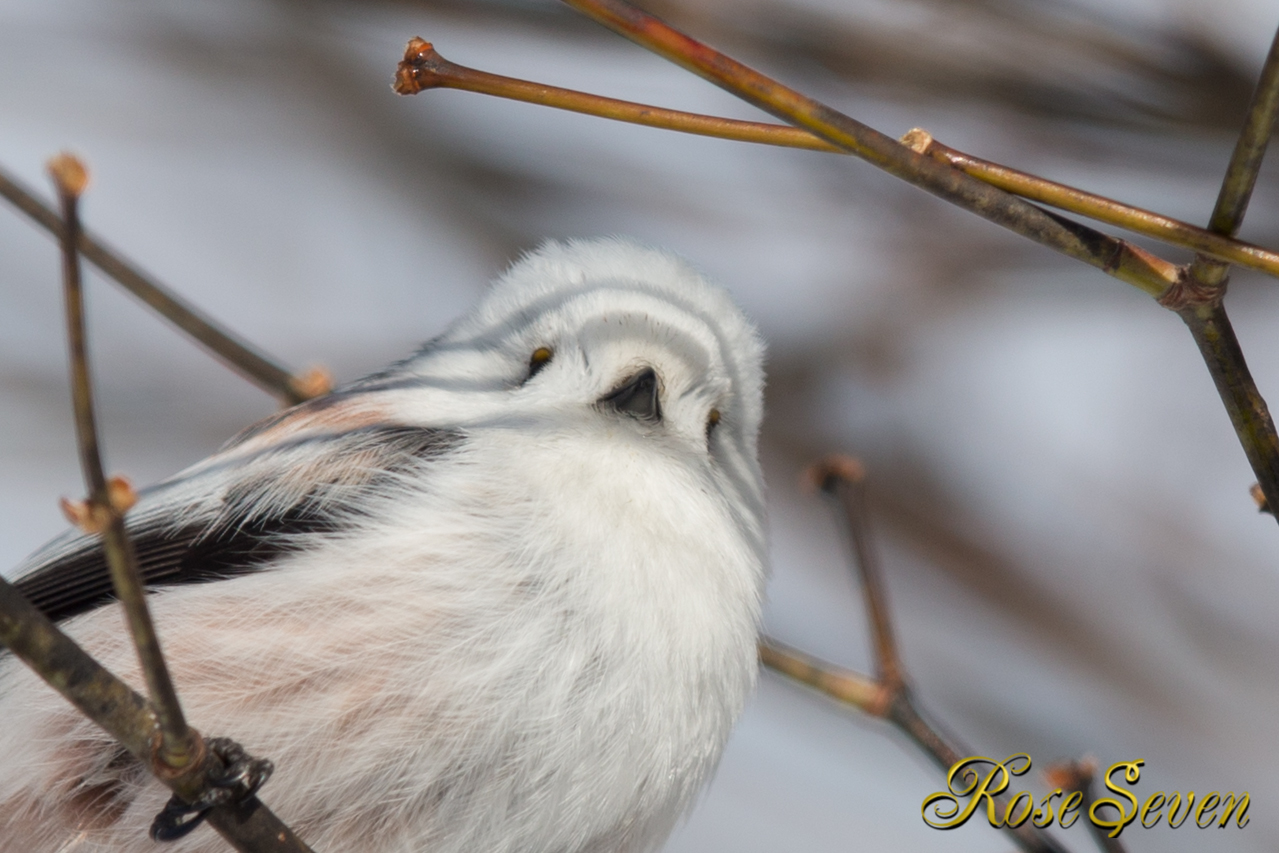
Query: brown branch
x,y
155,732
1080,776
130,719
842,685
1198,304
1204,313
424,68
1115,257
105,515
259,369
1249,414
845,479
67,668
1245,162
888,695
1098,207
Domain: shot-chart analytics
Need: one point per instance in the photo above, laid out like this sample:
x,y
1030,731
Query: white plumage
x,y
481,601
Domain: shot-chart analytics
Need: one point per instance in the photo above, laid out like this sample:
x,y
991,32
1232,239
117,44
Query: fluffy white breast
x,y
536,641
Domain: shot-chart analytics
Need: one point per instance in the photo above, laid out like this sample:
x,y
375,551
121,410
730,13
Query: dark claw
x,y
237,781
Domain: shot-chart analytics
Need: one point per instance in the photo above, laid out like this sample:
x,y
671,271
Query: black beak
x,y
638,397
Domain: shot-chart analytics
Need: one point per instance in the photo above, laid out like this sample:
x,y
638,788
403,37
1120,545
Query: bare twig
x,y
104,510
843,685
1248,412
1079,776
102,697
256,367
845,478
424,68
156,732
1098,207
1115,257
1199,306
1245,162
888,695
66,667
1205,315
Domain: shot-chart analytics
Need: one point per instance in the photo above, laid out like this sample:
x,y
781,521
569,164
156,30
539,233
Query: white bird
x,y
501,596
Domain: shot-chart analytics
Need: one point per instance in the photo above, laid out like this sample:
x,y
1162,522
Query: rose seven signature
x,y
967,779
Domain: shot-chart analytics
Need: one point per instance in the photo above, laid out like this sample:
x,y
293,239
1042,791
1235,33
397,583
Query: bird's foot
x,y
237,781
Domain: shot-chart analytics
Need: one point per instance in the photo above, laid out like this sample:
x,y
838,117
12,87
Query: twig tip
x,y
825,473
94,518
1260,497
69,174
316,382
1072,775
121,494
419,69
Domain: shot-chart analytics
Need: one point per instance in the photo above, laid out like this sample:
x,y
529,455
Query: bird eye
x,y
539,359
712,421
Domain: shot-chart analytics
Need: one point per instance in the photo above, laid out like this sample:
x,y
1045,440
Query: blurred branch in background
x,y
888,695
1081,775
259,369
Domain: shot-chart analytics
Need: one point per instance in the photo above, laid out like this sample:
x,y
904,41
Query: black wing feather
x,y
239,543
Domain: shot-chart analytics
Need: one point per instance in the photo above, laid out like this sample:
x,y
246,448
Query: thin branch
x,y
1115,257
156,731
1098,207
1249,414
888,696
845,478
842,685
105,508
259,369
130,719
1205,314
1080,776
1198,305
84,682
1245,162
424,68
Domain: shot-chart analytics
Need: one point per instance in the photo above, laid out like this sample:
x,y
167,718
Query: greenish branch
x,y
1203,310
1198,304
424,68
1115,257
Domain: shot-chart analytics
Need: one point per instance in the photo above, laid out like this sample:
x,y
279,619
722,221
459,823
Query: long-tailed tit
x,y
501,596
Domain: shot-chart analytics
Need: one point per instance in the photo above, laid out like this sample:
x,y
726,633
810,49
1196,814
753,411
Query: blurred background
x,y
1074,561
